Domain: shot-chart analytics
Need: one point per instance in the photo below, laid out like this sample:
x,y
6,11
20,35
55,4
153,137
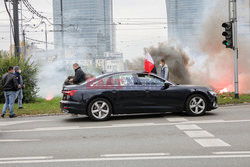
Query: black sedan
x,y
134,92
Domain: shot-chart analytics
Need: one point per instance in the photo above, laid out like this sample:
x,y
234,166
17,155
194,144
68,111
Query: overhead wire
x,y
34,11
10,17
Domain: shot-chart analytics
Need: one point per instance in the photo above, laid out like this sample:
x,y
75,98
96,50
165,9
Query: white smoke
x,y
50,79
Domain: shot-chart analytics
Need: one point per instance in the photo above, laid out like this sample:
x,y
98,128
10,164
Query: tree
x,y
29,73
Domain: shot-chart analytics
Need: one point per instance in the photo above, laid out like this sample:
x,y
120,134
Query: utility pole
x,y
46,40
233,18
11,35
16,28
62,30
24,45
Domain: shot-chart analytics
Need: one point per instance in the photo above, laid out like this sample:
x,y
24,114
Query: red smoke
x,y
219,66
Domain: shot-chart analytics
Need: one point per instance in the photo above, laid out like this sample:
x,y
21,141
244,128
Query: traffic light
x,y
228,33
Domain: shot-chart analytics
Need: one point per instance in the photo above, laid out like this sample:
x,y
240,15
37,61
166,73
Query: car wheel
x,y
196,105
99,109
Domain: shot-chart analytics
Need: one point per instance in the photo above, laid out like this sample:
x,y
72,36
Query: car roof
x,y
124,72
136,72
132,72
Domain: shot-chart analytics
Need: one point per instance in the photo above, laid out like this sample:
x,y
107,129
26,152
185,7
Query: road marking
x,y
135,155
126,159
176,119
212,142
113,126
19,140
200,133
8,123
134,124
25,158
188,127
57,128
232,152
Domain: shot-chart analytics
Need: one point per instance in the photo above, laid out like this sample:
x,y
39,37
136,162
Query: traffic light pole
x,y
233,18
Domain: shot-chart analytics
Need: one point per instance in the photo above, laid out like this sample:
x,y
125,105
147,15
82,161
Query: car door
x,y
129,97
158,99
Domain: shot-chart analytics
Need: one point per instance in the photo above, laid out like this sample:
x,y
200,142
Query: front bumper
x,y
213,104
72,107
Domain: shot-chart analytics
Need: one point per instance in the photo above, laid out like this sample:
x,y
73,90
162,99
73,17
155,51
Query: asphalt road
x,y
220,138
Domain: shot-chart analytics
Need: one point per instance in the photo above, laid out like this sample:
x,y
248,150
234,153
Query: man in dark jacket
x,y
19,93
79,75
10,86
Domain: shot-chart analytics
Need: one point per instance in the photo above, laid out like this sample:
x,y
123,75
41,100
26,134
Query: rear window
x,y
116,80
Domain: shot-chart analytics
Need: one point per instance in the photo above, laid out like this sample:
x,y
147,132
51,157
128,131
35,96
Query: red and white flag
x,y
149,63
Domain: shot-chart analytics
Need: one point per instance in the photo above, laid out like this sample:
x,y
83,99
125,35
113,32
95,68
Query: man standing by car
x,y
10,86
164,69
79,75
19,93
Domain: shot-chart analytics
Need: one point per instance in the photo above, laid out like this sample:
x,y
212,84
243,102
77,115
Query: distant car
x,y
134,92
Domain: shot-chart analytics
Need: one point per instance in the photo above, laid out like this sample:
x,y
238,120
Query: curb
x,y
236,104
60,114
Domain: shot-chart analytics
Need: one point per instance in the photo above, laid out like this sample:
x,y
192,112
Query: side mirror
x,y
166,85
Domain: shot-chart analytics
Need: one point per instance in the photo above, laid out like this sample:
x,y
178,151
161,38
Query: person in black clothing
x,y
19,93
154,70
67,81
10,86
80,76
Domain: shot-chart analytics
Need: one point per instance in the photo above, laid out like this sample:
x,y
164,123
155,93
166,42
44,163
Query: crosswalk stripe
x,y
200,133
212,142
188,127
176,119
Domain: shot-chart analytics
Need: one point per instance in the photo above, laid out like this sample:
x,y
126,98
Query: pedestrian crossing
x,y
200,136
189,128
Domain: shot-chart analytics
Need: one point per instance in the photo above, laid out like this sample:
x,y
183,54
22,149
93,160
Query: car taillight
x,y
69,92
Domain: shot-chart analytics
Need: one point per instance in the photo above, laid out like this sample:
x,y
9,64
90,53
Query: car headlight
x,y
212,93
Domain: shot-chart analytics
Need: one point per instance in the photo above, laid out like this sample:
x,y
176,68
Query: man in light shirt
x,y
164,69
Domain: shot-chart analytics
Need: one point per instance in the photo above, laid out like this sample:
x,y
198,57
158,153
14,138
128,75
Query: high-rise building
x,y
184,19
87,26
243,14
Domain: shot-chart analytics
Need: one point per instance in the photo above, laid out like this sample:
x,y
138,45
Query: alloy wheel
x,y
197,105
100,109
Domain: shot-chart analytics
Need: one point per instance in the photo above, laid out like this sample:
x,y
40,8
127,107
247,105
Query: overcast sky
x,y
130,39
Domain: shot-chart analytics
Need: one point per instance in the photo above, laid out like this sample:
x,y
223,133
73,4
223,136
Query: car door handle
x,y
113,91
147,91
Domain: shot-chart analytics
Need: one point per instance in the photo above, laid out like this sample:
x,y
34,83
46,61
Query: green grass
x,y
228,98
42,106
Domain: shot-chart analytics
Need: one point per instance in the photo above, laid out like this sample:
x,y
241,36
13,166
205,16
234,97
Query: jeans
x,y
10,97
19,96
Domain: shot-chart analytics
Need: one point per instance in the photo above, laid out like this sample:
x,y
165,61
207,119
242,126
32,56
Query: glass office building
x,y
87,24
184,19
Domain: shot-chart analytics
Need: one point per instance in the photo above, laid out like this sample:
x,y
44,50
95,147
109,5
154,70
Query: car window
x,y
123,80
146,79
117,80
